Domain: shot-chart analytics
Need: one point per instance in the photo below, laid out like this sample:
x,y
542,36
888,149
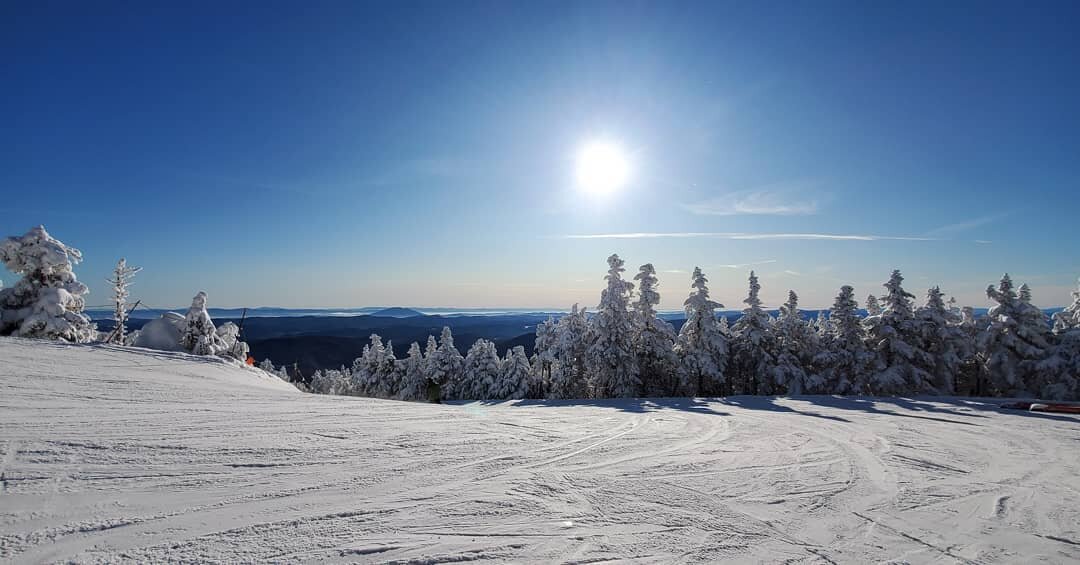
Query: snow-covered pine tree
x,y
229,342
954,309
199,335
943,340
900,364
610,356
47,302
1035,328
1011,344
1063,363
537,379
447,366
330,381
413,379
970,377
1069,318
873,307
796,348
120,281
568,376
513,384
725,329
545,350
654,339
369,368
701,348
752,350
431,353
388,379
821,324
844,360
480,373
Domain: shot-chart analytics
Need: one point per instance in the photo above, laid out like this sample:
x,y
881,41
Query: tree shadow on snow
x,y
940,409
951,410
769,403
634,405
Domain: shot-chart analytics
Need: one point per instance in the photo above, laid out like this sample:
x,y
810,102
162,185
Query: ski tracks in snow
x,y
110,461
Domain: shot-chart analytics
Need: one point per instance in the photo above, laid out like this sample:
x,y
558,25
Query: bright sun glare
x,y
602,168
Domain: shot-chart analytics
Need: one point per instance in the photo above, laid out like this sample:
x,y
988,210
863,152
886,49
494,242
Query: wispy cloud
x,y
777,200
964,226
744,265
751,236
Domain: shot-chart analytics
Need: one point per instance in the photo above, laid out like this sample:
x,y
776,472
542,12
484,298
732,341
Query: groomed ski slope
x,y
112,455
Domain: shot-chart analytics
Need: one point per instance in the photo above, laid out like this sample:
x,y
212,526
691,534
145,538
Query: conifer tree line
x,y
903,346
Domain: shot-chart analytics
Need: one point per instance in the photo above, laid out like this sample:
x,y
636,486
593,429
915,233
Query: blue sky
x,y
369,153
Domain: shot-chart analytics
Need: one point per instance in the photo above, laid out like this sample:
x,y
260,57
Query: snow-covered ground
x,y
112,454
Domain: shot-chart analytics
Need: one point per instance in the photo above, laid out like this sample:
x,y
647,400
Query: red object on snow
x,y
1041,407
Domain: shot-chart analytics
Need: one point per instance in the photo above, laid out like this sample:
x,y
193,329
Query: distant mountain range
x,y
397,312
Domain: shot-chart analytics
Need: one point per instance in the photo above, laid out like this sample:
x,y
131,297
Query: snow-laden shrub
x,y
198,334
48,301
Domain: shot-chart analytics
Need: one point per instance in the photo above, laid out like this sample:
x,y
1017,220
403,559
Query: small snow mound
x,y
162,334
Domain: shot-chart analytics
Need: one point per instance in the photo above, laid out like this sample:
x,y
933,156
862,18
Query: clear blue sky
x,y
374,153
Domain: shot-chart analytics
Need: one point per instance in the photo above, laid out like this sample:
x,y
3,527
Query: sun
x,y
602,168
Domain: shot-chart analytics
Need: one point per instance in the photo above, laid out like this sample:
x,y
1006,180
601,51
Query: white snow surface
x,y
112,454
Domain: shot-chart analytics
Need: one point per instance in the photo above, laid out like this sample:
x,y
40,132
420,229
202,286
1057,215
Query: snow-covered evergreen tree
x,y
873,307
229,342
900,364
545,351
513,383
568,377
200,335
431,353
820,324
701,348
388,380
1062,366
1069,318
654,339
47,302
447,366
369,368
537,379
954,309
844,361
1012,344
752,350
413,379
1035,326
610,356
331,381
943,340
797,346
120,281
481,372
